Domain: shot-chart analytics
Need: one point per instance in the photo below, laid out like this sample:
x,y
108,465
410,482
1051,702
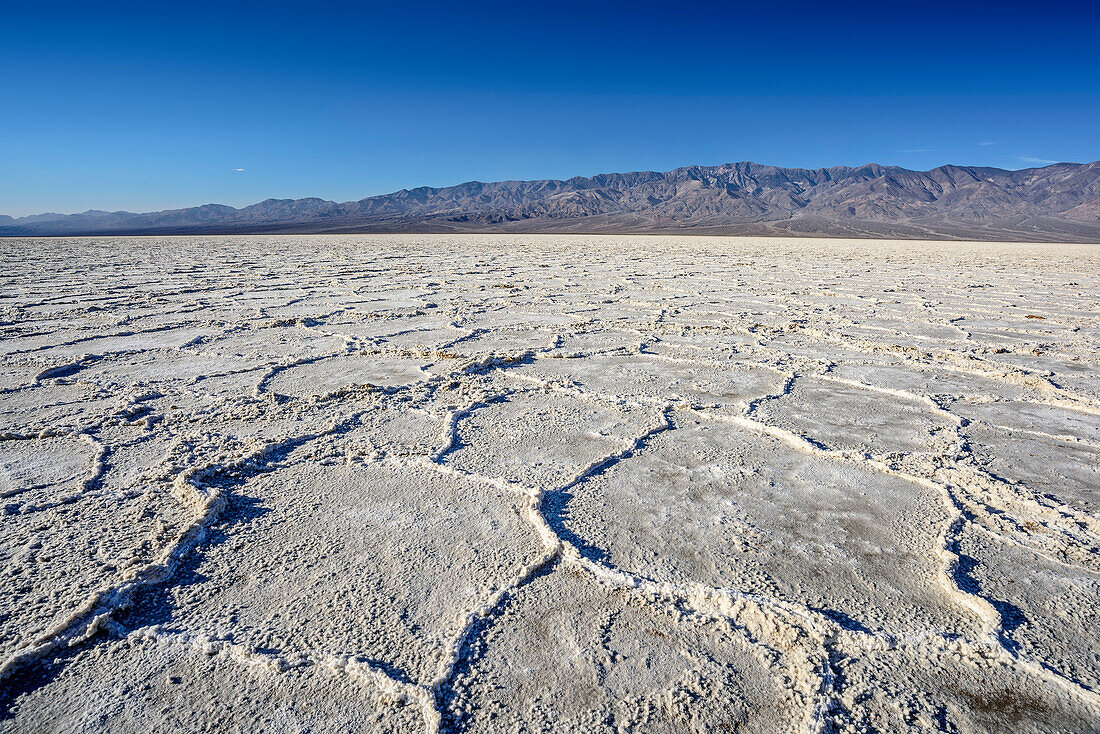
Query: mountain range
x,y
1060,202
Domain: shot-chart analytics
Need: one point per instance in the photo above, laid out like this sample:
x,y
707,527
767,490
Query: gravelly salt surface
x,y
441,484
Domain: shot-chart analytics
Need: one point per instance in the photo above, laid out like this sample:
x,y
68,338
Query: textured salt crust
x,y
548,483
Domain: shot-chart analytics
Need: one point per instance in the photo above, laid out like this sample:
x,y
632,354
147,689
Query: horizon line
x,y
518,180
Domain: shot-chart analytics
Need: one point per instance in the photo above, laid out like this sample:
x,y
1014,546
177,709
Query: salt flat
x,y
567,483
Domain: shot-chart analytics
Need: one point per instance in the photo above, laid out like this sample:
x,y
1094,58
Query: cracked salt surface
x,y
568,483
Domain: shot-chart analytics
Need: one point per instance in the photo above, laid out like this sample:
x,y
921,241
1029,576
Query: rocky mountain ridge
x,y
1060,202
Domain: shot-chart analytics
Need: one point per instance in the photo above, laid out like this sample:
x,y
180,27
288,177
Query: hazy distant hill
x,y
1058,202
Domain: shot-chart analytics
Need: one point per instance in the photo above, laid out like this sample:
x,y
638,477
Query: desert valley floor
x,y
548,484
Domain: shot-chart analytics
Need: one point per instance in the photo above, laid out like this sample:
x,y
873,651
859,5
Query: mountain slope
x,y
1057,202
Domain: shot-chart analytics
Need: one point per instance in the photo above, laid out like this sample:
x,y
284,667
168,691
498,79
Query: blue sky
x,y
153,106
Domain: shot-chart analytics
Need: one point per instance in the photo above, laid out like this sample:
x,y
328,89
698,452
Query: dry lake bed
x,y
548,484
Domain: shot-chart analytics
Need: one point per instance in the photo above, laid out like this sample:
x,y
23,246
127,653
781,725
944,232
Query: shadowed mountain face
x,y
1057,203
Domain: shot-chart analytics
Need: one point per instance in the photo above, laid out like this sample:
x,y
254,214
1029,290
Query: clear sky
x,y
158,105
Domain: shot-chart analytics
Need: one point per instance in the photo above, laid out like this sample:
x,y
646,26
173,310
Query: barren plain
x,y
548,484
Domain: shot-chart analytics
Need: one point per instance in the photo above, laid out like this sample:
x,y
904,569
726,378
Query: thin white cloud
x,y
1033,159
988,142
238,170
919,150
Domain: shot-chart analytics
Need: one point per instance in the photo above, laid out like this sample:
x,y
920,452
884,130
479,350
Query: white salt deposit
x,y
548,483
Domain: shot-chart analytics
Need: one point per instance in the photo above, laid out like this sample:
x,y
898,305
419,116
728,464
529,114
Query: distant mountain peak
x,y
1057,202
